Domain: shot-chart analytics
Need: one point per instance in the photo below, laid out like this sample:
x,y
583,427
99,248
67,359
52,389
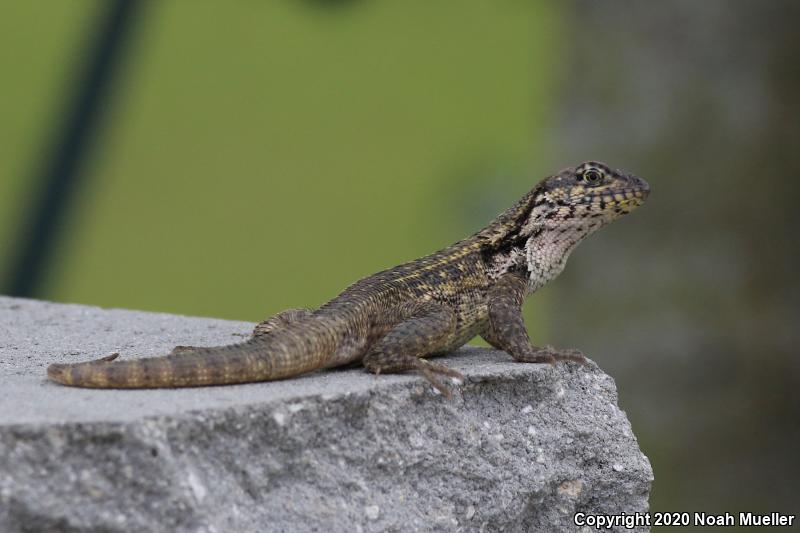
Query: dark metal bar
x,y
61,174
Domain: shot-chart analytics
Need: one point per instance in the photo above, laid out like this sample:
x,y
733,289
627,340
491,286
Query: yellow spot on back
x,y
456,254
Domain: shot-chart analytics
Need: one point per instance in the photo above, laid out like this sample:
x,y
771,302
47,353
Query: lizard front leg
x,y
506,330
419,329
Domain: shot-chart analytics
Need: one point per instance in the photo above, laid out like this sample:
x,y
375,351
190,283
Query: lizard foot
x,y
183,350
432,372
548,354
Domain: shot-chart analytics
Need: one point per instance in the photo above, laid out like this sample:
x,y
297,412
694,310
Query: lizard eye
x,y
592,176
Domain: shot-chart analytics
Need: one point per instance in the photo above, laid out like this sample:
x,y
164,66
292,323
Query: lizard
x,y
392,321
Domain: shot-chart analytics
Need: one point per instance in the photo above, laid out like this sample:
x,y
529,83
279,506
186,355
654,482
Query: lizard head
x,y
587,194
542,229
567,206
565,209
538,234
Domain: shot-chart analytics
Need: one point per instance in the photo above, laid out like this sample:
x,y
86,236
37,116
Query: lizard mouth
x,y
622,200
625,199
635,196
640,189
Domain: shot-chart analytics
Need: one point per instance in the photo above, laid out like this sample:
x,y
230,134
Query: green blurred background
x,y
248,157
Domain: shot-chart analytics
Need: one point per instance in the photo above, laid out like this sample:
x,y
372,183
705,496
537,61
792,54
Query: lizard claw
x,y
548,354
567,354
182,349
432,371
571,354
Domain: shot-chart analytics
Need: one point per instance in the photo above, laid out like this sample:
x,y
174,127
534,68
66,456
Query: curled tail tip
x,y
59,372
63,372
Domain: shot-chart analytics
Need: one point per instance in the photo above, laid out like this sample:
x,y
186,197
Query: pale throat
x,y
547,251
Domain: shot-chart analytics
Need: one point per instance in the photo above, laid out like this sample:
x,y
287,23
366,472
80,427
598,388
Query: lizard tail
x,y
257,359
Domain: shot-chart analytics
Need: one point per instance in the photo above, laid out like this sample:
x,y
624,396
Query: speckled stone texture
x,y
520,447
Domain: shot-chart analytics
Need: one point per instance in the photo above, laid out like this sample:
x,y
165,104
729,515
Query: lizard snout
x,y
641,186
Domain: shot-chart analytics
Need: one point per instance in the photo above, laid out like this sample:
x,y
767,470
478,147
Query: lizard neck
x,y
546,253
539,251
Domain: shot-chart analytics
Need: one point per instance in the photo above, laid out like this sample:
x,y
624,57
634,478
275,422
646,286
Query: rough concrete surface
x,y
520,447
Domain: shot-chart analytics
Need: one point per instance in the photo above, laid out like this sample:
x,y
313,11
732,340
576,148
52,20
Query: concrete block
x,y
520,447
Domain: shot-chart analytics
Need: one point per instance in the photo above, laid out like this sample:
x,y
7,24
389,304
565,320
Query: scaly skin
x,y
392,320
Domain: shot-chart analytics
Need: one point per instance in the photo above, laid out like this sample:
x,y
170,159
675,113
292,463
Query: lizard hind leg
x,y
420,329
279,320
262,328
